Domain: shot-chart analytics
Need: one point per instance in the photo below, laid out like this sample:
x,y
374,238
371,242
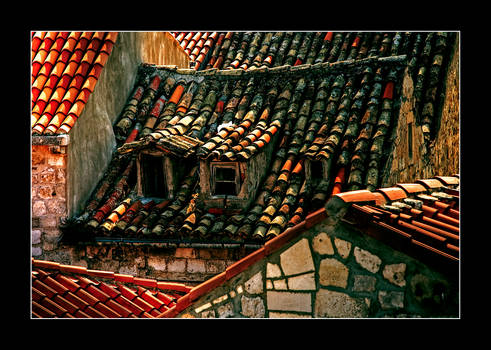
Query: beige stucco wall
x,y
442,155
92,140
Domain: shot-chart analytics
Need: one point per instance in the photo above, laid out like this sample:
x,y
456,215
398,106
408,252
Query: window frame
x,y
165,193
213,173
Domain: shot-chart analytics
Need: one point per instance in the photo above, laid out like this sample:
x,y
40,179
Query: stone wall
x,y
48,193
331,272
163,262
409,160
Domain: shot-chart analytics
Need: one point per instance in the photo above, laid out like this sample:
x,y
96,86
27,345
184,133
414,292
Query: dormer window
x,y
316,170
159,175
153,176
225,178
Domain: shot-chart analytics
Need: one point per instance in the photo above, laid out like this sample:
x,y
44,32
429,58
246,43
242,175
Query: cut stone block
x,y
288,301
343,247
335,304
394,273
272,270
253,307
322,244
367,260
302,282
297,259
333,273
255,284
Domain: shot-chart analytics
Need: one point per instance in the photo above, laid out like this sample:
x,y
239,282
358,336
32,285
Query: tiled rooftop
x,y
421,218
67,291
342,111
253,50
65,69
310,113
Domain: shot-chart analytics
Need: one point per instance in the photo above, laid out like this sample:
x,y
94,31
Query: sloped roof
x,y
252,50
420,219
68,291
342,111
65,68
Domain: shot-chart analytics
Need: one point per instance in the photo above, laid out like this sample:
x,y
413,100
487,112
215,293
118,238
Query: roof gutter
x,y
179,243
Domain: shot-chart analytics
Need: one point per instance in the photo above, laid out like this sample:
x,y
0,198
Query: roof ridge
x,y
399,190
117,277
325,67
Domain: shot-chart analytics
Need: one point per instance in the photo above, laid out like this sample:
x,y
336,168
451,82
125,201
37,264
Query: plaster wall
x,y
92,139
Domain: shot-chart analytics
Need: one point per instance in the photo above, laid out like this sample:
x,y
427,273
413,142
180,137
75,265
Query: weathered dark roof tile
x,y
341,110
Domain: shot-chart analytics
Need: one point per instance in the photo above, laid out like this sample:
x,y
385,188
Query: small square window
x,y
225,178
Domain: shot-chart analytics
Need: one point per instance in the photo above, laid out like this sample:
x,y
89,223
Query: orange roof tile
x,y
64,64
429,224
61,291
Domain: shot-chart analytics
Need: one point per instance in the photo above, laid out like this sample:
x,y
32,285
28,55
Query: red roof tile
x,y
430,225
65,291
412,188
295,111
393,193
63,64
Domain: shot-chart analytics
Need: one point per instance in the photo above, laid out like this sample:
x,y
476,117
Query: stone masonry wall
x,y
180,264
442,155
331,272
48,193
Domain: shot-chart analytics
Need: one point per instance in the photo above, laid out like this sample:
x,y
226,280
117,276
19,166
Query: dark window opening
x,y
225,179
153,176
224,174
225,188
410,140
316,170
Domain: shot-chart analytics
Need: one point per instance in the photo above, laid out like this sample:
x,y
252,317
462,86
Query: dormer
x,y
317,170
232,183
162,162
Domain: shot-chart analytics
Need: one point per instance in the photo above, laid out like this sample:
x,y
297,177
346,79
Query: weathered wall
x,y
163,50
441,156
63,176
48,194
183,264
445,152
331,271
92,138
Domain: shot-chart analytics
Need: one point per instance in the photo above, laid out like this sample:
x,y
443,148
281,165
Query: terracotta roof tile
x,y
329,110
65,291
65,63
412,188
431,184
422,218
393,193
